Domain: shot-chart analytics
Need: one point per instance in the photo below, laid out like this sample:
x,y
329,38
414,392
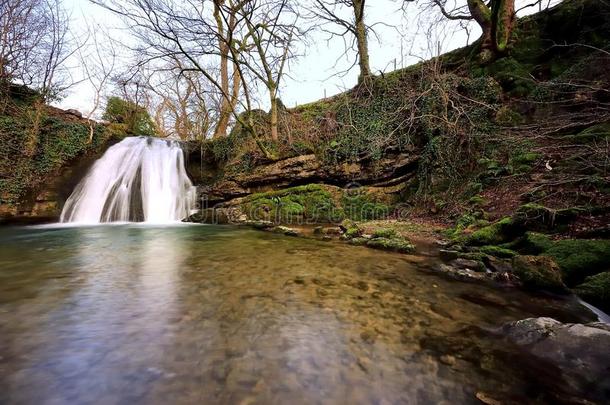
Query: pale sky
x,y
312,74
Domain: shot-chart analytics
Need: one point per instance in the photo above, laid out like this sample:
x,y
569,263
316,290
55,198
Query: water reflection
x,y
222,315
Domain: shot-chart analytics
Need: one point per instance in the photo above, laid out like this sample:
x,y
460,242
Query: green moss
x,y
30,152
538,272
362,207
395,244
536,216
526,158
384,233
580,258
494,234
351,229
311,202
531,243
358,241
461,224
498,252
135,118
476,200
595,133
476,256
353,232
508,117
513,76
596,290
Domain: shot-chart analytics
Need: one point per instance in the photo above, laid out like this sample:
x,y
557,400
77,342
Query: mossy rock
x,y
494,234
361,206
537,216
539,273
358,241
351,229
476,256
596,290
384,233
498,251
531,243
312,202
461,224
580,258
395,244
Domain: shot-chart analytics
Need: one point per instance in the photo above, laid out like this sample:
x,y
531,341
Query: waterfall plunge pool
x,y
211,314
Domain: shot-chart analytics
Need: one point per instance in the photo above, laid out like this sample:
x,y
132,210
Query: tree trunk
x,y
361,40
497,23
504,18
482,15
225,104
273,118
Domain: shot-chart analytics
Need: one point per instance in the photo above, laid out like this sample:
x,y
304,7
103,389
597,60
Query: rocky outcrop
x,y
392,170
579,351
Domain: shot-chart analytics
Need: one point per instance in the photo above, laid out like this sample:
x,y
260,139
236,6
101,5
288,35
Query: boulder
x,y
351,229
395,244
579,351
286,231
539,273
74,112
462,263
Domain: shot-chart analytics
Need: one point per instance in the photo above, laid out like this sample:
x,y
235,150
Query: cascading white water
x,y
138,179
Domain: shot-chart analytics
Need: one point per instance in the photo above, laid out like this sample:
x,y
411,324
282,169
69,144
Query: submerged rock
x,y
462,263
459,274
259,224
579,351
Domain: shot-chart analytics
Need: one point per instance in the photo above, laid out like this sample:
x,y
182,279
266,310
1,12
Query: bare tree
x,y
496,19
34,45
266,46
98,62
183,105
22,28
165,30
330,13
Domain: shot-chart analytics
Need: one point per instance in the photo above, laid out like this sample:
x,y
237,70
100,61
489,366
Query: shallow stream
x,y
212,314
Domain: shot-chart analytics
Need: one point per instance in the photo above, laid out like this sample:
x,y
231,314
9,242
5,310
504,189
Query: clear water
x,y
209,314
139,179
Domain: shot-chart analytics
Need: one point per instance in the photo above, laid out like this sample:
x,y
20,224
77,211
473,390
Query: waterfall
x,y
138,179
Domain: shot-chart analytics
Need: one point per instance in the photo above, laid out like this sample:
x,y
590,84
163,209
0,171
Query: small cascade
x,y
140,179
